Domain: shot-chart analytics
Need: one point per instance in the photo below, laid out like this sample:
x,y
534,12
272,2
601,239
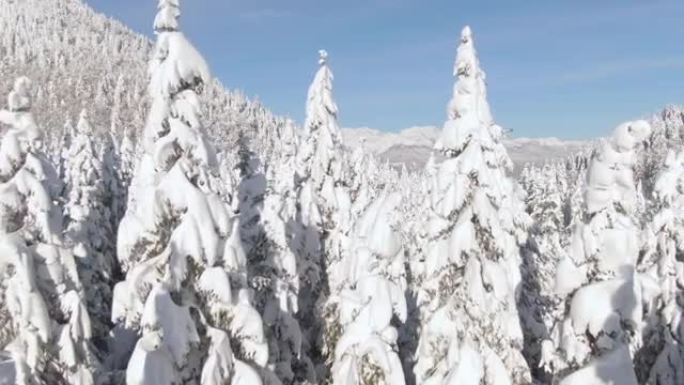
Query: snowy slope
x,y
412,146
73,54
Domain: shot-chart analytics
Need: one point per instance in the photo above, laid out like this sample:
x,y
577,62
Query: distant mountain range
x,y
412,146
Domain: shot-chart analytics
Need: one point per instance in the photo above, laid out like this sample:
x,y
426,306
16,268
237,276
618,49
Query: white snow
x,y
602,306
373,292
615,368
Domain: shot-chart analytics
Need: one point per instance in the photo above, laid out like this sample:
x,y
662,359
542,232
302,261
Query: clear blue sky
x,y
572,69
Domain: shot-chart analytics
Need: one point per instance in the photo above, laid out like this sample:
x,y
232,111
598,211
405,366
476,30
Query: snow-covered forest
x,y
159,229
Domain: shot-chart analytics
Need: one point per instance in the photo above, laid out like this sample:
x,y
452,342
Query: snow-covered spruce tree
x,y
363,181
89,228
110,155
323,155
185,290
540,307
251,191
47,326
545,204
664,136
359,189
471,331
323,147
67,134
308,247
280,298
528,182
597,277
117,124
662,360
308,218
373,293
577,167
420,245
128,159
564,188
414,188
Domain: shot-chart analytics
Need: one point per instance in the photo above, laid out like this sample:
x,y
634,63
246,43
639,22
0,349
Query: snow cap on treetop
x,y
466,34
628,135
323,57
167,17
466,57
468,110
169,3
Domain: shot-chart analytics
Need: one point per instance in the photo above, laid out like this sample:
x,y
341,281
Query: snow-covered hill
x,y
412,146
77,58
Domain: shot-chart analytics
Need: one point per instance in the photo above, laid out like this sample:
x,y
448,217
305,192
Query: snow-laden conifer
x,y
185,290
364,181
110,155
88,225
283,265
662,361
326,199
67,133
48,327
598,276
324,154
323,140
373,292
127,164
540,308
471,329
545,204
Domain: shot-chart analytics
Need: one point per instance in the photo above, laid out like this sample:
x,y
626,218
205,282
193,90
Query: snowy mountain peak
x,y
412,146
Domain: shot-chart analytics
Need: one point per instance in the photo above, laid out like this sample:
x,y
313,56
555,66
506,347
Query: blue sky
x,y
572,69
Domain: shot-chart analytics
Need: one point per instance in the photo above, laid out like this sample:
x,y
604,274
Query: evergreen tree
x,y
89,227
322,147
185,291
117,123
281,266
662,357
48,328
471,330
540,308
112,176
363,181
68,132
323,157
545,206
603,293
128,156
307,242
373,293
